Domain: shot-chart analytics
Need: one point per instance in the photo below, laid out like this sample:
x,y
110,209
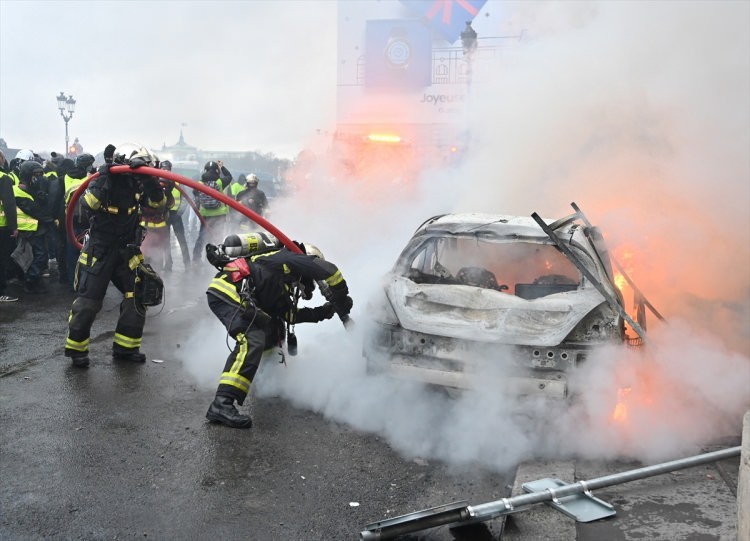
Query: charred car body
x,y
470,292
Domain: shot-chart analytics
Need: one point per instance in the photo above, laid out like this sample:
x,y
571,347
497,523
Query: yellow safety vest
x,y
71,185
236,188
3,219
25,222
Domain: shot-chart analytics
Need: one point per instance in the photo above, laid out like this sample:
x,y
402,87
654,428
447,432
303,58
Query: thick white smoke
x,y
639,113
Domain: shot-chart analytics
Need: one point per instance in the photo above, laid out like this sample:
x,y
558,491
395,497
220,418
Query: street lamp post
x,y
66,105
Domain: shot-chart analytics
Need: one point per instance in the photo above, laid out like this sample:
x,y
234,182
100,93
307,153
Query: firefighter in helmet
x,y
111,253
253,198
255,295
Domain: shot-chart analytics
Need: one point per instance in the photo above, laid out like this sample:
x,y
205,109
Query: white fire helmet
x,y
128,151
311,249
25,155
252,179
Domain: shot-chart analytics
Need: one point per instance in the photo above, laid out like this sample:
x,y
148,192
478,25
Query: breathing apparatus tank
x,y
245,244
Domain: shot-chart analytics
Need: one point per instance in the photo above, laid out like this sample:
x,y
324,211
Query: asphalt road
x,y
123,451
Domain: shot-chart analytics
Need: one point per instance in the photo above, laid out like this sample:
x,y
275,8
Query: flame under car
x,y
477,294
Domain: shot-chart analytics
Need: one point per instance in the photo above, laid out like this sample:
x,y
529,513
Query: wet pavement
x,y
123,451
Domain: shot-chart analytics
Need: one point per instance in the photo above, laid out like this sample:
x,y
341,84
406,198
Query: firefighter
x,y
175,222
253,198
255,296
111,253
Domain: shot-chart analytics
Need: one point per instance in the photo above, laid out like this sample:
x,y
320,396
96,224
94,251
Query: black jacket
x,y
272,278
113,203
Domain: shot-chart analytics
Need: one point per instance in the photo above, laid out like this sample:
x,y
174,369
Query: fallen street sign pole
x,y
461,513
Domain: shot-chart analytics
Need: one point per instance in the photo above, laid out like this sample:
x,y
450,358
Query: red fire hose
x,y
169,175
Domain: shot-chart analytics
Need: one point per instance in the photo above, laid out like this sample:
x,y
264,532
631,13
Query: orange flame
x,y
620,413
620,281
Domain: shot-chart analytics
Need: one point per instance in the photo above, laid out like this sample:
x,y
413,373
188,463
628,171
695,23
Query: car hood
x,y
485,315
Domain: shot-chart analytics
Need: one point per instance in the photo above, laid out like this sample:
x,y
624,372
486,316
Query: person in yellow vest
x,y
235,218
77,172
213,211
8,229
175,223
33,223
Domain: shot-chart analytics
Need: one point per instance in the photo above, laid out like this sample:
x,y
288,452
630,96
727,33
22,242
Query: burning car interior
x,y
526,270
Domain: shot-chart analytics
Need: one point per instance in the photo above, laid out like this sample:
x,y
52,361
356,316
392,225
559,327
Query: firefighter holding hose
x,y
111,252
255,296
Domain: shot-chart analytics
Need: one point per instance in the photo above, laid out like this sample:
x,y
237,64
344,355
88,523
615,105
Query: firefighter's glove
x,y
325,311
216,256
343,306
109,153
317,314
307,286
135,163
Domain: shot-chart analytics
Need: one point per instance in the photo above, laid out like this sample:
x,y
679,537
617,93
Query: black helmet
x,y
28,169
211,166
84,161
166,165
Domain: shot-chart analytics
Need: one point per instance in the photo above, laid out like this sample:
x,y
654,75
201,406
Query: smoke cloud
x,y
636,111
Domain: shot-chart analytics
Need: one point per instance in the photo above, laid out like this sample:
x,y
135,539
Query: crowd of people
x,y
121,229
35,192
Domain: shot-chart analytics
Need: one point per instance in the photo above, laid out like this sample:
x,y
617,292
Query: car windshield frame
x,y
419,262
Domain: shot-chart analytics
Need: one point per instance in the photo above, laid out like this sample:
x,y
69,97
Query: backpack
x,y
206,201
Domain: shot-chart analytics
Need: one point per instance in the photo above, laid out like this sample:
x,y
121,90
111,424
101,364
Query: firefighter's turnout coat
x,y
111,252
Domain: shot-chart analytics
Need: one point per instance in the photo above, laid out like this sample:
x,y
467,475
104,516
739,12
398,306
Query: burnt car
x,y
526,297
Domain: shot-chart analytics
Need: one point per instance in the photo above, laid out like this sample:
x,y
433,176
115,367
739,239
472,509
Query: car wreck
x,y
528,296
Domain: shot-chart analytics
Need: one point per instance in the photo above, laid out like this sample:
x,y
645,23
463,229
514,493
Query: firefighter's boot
x,y
80,361
133,357
222,411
